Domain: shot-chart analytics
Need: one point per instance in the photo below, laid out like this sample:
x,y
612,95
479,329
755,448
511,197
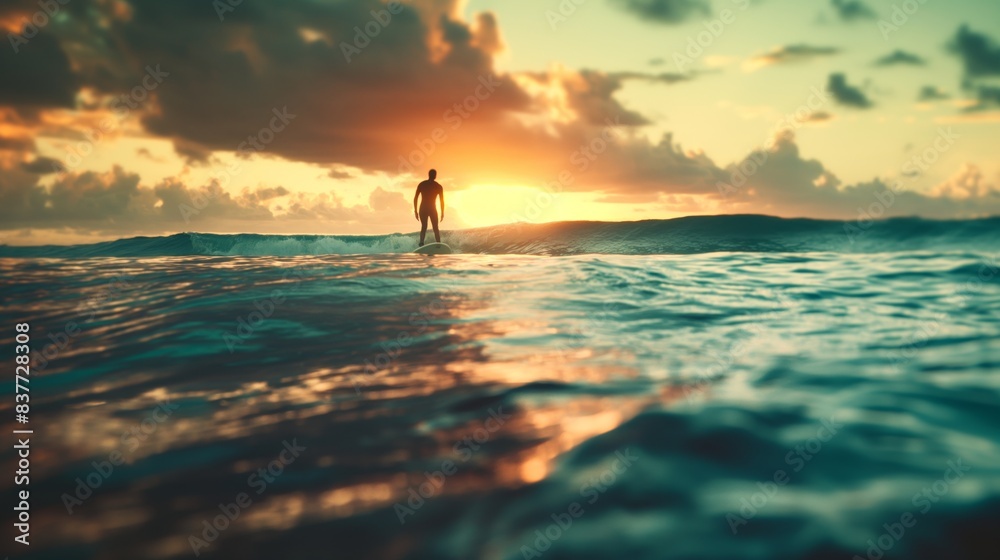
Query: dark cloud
x,y
43,165
145,153
38,74
663,78
87,197
988,97
979,53
980,56
932,93
898,57
846,94
192,152
792,53
17,144
852,10
818,116
225,89
338,174
264,194
666,11
357,100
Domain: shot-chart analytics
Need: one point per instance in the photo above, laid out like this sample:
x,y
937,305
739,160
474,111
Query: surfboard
x,y
434,249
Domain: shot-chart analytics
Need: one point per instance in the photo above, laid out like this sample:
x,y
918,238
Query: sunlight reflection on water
x,y
384,367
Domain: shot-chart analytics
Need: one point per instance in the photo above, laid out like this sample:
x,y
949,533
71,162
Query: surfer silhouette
x,y
428,191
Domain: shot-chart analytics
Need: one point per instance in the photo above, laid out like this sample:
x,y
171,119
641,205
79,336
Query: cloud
x,y
788,54
979,53
899,57
980,57
817,117
192,152
43,165
590,94
932,93
427,75
424,92
663,78
38,74
988,97
339,174
17,144
259,61
117,202
666,11
852,10
846,94
786,183
643,170
965,185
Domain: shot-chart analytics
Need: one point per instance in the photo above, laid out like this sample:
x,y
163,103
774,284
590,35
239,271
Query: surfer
x,y
431,190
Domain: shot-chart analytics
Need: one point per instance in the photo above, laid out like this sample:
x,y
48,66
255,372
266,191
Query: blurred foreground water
x,y
721,406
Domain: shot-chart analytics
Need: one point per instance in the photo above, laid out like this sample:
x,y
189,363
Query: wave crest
x,y
691,235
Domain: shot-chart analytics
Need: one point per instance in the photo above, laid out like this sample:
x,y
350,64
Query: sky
x,y
121,118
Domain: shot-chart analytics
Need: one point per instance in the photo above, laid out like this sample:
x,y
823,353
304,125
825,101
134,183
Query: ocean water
x,y
714,388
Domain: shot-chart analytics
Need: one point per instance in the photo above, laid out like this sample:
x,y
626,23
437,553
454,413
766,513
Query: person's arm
x,y
416,196
442,205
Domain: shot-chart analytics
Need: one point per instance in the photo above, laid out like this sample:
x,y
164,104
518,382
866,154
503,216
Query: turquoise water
x,y
776,392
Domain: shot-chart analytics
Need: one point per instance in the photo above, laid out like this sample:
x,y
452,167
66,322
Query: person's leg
x,y
423,228
434,223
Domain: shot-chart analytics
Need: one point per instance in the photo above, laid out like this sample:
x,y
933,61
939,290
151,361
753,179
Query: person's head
x,y
433,174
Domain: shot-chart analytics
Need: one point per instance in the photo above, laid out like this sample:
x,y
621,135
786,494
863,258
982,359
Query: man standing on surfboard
x,y
431,190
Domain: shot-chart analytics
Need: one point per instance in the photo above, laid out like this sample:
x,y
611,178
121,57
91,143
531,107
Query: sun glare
x,y
490,205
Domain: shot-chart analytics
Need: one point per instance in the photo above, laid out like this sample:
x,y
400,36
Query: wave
x,y
691,235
